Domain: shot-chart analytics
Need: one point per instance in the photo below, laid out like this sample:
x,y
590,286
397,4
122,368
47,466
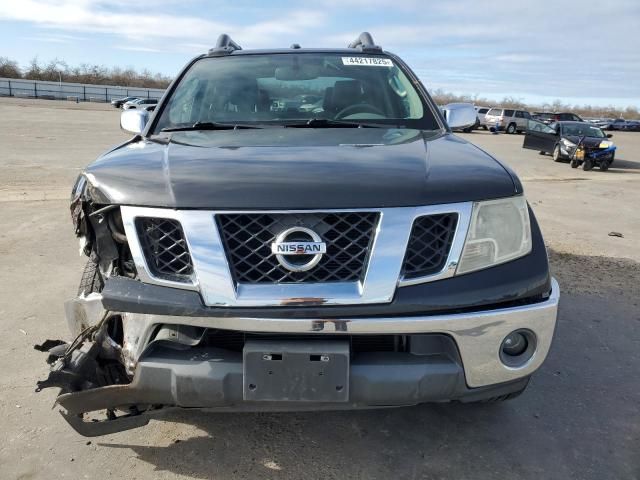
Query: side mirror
x,y
460,115
609,135
134,121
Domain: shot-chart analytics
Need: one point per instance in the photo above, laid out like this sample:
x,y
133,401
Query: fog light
x,y
517,348
514,344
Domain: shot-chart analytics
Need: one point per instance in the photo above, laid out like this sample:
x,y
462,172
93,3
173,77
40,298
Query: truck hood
x,y
292,168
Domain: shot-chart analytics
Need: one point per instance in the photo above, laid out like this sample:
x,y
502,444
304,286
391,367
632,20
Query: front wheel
x,y
556,154
511,129
604,165
91,280
574,163
587,165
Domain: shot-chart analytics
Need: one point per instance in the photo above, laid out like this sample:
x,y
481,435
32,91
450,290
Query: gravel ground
x,y
579,419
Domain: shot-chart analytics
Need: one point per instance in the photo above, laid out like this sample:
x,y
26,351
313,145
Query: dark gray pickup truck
x,y
298,229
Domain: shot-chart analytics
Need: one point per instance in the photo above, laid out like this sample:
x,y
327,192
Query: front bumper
x,y
596,154
456,357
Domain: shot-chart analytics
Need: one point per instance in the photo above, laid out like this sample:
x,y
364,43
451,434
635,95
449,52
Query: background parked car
x,y
600,122
507,119
621,124
633,125
118,102
482,111
561,139
140,103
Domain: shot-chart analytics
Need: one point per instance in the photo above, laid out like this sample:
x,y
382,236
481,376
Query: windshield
x,y
582,130
289,88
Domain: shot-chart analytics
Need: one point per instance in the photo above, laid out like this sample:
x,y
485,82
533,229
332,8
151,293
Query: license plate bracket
x,y
296,371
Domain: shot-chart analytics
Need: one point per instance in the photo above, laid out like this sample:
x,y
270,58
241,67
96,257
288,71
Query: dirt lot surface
x,y
579,419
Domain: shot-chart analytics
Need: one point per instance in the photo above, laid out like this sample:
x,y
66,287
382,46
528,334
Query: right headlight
x,y
499,231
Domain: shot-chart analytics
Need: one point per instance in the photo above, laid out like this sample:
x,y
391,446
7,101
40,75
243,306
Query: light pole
x,y
58,66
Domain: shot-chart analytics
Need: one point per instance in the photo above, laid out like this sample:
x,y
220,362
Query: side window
x,y
526,115
519,114
508,113
535,126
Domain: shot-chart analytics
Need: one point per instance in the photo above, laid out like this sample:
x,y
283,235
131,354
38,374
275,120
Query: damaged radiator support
x,y
101,360
73,366
93,359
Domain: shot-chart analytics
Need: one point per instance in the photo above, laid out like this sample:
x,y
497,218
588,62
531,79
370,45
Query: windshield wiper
x,y
328,123
208,126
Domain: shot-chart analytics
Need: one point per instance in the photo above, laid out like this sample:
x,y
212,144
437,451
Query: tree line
x,y
58,70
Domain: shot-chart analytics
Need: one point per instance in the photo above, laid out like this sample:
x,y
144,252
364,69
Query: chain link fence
x,y
79,92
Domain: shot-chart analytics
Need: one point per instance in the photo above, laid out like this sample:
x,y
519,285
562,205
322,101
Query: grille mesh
x,y
429,245
248,237
165,248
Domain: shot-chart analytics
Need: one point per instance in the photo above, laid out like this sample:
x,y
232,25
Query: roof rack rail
x,y
224,46
364,43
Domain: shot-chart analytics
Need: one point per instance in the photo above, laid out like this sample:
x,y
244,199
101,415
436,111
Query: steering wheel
x,y
359,108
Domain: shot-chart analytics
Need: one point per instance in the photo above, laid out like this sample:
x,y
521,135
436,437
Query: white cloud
x,y
136,48
142,25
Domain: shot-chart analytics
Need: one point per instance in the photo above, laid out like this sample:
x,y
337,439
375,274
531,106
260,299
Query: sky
x,y
582,52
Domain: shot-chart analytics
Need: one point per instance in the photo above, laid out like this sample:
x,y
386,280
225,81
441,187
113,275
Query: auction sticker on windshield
x,y
367,61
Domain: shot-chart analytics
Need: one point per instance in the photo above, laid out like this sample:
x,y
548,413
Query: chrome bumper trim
x,y
478,335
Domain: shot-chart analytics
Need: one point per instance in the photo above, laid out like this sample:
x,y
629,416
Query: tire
x,y
604,165
556,154
587,164
574,163
541,152
511,128
91,280
613,155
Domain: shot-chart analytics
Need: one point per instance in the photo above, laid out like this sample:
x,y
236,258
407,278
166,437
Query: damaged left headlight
x,y
78,188
499,231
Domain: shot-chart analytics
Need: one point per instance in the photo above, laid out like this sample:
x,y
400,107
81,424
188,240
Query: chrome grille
x,y
165,248
247,240
429,245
